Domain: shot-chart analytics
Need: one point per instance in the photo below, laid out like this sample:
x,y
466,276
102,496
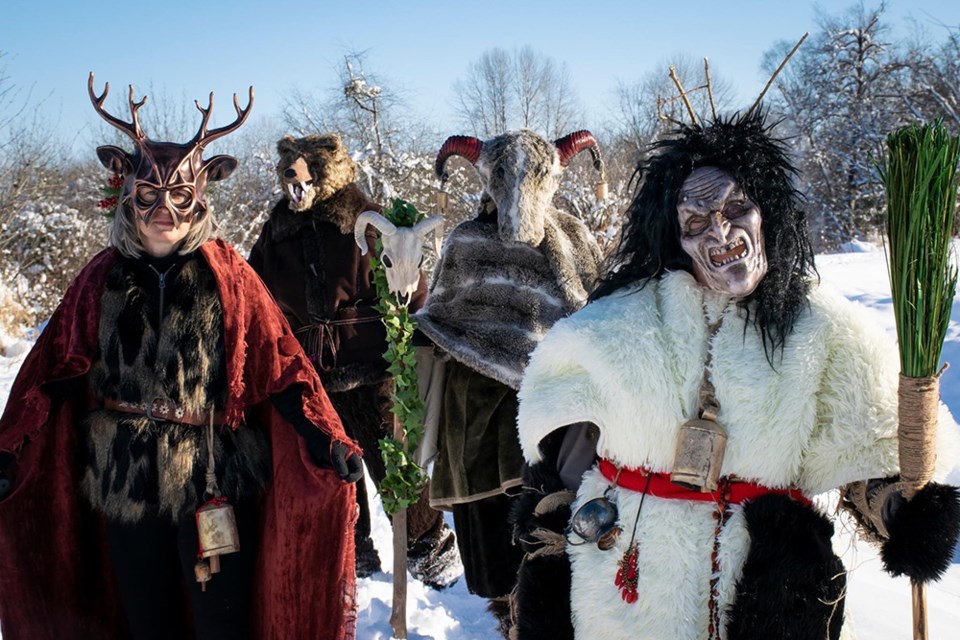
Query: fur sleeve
x,y
855,436
556,389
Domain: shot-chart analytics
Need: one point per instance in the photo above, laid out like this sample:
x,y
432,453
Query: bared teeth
x,y
728,253
297,191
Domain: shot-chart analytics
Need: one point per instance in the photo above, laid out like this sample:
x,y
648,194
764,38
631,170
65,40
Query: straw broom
x,y
920,177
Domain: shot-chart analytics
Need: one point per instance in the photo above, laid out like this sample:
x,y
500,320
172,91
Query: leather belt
x,y
164,410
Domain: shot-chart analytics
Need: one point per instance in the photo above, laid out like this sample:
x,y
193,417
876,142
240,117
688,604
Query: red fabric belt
x,y
730,491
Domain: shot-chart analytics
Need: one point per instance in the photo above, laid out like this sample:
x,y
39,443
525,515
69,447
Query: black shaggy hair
x,y
650,241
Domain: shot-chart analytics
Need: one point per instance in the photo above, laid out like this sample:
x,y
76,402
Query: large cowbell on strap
x,y
216,523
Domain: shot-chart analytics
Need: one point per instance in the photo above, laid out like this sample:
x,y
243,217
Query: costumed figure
x,y
502,280
177,469
712,329
307,256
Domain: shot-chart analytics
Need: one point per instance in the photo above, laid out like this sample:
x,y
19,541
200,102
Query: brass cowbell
x,y
699,454
216,523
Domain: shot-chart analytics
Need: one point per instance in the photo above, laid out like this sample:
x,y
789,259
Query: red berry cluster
x,y
112,192
627,574
108,203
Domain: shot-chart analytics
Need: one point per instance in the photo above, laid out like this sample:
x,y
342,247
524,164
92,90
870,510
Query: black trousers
x,y
153,562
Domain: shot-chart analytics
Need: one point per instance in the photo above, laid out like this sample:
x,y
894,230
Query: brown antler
x,y
204,137
132,129
466,146
573,143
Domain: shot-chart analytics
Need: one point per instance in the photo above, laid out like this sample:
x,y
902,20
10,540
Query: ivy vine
x,y
405,479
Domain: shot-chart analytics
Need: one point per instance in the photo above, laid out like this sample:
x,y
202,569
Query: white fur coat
x,y
632,363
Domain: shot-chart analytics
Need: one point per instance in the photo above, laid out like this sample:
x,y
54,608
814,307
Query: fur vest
x,y
137,465
491,301
823,415
313,267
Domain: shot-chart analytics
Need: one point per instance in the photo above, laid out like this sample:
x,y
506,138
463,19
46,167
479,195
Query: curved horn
x,y
427,225
465,146
573,143
383,225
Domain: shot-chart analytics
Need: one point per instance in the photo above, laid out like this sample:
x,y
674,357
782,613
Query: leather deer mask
x,y
166,174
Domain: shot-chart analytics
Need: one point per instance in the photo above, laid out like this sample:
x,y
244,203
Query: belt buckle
x,y
148,410
161,406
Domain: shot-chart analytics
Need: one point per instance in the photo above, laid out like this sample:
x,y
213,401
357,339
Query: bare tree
x,y
29,158
520,89
933,90
839,98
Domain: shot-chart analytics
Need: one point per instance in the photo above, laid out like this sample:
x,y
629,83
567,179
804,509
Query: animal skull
x,y
402,254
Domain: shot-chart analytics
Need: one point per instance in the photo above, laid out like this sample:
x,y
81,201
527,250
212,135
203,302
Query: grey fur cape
x,y
491,300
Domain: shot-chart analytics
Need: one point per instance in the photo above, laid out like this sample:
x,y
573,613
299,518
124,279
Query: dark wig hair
x,y
650,241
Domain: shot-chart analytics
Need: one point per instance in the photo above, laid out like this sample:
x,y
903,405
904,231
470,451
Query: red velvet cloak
x,y
55,576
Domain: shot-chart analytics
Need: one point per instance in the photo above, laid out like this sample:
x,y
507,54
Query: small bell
x,y
217,530
601,190
202,573
443,201
699,455
608,539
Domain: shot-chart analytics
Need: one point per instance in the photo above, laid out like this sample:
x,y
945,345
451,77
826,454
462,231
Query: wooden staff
x,y
398,613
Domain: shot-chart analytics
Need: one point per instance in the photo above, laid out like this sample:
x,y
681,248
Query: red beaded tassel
x,y
626,579
628,574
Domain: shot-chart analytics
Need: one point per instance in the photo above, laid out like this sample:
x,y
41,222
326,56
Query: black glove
x,y
6,461
347,465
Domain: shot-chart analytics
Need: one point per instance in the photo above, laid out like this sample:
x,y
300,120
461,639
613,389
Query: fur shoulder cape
x,y
492,301
55,575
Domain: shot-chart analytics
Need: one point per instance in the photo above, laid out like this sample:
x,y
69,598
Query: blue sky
x,y
187,48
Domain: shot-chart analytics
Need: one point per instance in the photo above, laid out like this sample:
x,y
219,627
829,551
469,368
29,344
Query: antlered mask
x,y
165,175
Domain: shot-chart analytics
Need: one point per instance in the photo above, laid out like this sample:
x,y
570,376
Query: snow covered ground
x,y
879,605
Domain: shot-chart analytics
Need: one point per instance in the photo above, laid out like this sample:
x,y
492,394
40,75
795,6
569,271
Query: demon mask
x,y
720,231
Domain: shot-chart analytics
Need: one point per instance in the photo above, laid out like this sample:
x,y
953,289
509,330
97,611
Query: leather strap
x,y
165,411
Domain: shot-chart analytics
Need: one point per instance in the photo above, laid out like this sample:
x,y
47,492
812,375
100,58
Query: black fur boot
x,y
433,558
367,558
500,608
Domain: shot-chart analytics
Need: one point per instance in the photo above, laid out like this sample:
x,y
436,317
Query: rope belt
x,y
319,343
166,411
731,492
